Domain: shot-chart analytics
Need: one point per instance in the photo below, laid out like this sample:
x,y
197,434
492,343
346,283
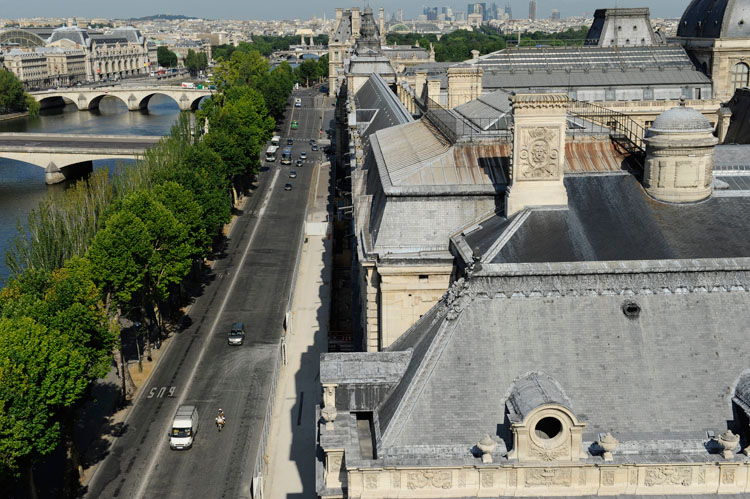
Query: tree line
x,y
457,45
121,245
13,98
265,44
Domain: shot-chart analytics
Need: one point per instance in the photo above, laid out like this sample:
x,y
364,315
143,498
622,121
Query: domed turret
x,y
716,19
679,156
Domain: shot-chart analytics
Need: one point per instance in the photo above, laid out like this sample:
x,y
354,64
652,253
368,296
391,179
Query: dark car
x,y
288,187
289,141
236,334
299,162
312,142
314,147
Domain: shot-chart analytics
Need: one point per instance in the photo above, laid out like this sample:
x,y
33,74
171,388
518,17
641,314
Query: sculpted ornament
x,y
539,156
669,475
371,481
550,454
727,476
547,477
608,477
429,479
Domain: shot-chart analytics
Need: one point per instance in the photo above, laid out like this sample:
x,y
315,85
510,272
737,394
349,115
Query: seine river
x,y
22,185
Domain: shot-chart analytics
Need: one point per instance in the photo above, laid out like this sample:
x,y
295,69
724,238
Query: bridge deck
x,y
48,142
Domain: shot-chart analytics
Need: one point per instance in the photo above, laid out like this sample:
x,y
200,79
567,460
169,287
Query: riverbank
x,y
13,116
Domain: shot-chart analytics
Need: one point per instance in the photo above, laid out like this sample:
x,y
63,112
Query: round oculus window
x,y
548,428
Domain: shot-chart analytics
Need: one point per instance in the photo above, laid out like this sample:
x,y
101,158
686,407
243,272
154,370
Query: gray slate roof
x,y
654,377
611,218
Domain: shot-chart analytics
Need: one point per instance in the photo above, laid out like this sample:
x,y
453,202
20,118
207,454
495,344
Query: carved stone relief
x,y
395,480
608,477
727,475
428,479
371,481
462,478
547,477
701,476
513,478
539,155
582,477
563,451
668,475
633,477
487,479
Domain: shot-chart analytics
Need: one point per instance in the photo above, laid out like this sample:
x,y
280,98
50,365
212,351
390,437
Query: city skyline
x,y
298,9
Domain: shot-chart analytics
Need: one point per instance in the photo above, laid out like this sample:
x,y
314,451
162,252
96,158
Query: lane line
x,y
153,459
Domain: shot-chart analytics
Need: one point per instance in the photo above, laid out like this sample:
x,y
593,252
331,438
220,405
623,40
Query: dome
x,y
681,119
716,19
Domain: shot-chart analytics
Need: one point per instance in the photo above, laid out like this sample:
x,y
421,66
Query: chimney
x,y
339,12
382,26
538,152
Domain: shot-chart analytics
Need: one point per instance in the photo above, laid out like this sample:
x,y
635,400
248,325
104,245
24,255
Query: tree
x,y
13,98
41,372
64,327
166,57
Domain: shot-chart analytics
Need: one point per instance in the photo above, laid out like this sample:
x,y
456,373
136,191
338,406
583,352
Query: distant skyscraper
x,y
508,11
555,15
532,10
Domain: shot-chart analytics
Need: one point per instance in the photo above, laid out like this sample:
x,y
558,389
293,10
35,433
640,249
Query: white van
x,y
184,427
297,102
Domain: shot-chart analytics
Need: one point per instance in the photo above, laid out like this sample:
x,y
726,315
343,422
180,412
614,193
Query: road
x,y
251,284
71,142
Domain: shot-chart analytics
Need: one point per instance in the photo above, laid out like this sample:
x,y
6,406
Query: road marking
x,y
157,448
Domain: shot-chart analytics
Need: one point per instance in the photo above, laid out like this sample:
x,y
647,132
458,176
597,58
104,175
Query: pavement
x,y
251,282
292,447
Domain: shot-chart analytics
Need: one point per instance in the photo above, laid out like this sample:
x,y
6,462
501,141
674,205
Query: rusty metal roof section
x,y
595,156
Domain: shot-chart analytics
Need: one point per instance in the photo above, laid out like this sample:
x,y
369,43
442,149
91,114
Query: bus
x,y
286,156
275,140
271,153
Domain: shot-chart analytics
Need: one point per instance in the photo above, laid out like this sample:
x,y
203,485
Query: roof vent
x,y
631,309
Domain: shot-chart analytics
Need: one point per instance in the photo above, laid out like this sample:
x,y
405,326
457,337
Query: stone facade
x,y
538,151
464,85
29,66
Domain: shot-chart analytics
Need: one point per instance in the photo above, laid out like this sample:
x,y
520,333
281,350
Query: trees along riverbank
x,y
118,247
13,98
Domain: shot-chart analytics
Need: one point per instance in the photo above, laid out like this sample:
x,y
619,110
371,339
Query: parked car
x,y
236,334
288,187
293,174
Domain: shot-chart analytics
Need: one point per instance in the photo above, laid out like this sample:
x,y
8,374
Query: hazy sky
x,y
298,9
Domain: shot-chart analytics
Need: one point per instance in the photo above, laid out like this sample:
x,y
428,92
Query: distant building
x,y
532,10
508,11
717,36
555,15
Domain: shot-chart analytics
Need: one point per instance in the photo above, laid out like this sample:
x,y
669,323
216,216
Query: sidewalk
x,y
292,444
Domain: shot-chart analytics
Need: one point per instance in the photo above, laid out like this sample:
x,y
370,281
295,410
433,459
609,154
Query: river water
x,y
22,185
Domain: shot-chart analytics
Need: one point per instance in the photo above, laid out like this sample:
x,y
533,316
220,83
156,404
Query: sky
x,y
299,9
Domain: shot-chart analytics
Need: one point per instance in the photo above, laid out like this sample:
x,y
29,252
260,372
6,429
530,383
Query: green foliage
x,y
41,372
61,227
166,57
457,46
54,342
119,254
13,98
195,62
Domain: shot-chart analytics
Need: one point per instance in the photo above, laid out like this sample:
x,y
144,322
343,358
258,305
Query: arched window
x,y
740,75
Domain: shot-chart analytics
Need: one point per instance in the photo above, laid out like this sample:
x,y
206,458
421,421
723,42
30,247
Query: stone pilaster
x,y
538,151
464,85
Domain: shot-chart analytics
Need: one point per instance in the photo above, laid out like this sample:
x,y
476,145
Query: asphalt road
x,y
252,284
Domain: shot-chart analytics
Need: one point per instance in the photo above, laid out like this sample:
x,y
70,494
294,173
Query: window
x,y
740,75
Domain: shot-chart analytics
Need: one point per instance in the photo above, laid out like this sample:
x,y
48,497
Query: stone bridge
x,y
136,98
68,156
